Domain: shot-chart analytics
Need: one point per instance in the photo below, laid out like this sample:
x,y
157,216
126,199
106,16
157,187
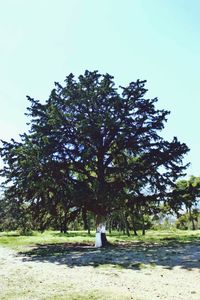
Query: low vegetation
x,y
16,241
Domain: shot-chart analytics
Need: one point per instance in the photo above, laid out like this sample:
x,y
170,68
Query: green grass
x,y
18,242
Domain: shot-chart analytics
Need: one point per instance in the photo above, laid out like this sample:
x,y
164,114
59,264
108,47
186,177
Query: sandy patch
x,y
134,272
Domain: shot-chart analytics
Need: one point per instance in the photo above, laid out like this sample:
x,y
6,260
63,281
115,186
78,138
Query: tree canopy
x,y
92,146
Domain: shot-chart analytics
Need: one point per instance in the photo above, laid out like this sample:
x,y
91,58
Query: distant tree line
x,y
93,152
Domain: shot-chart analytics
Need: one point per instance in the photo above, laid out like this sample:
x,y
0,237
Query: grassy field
x,y
18,242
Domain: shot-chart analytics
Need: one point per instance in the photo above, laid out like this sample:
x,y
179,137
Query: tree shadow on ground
x,y
133,255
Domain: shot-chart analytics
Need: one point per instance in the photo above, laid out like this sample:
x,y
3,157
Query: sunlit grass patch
x,y
19,242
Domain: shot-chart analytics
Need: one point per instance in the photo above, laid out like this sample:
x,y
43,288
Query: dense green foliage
x,y
185,202
92,149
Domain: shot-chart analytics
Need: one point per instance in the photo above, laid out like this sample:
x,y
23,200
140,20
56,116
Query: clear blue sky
x,y
42,41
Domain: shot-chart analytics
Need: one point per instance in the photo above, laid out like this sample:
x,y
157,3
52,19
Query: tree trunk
x,y
65,223
99,221
193,225
126,225
85,220
123,229
135,232
110,226
191,219
143,225
88,223
61,224
122,223
133,224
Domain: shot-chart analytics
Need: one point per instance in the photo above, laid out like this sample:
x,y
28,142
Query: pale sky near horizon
x,y
42,41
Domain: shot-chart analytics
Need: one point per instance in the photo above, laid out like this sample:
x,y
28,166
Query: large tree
x,y
95,147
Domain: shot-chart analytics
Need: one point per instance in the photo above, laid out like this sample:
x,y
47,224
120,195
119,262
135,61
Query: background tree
x,y
186,195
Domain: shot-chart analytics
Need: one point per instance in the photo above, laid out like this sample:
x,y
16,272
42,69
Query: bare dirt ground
x,y
135,271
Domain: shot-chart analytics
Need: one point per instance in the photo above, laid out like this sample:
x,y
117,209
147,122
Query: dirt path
x,y
139,273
